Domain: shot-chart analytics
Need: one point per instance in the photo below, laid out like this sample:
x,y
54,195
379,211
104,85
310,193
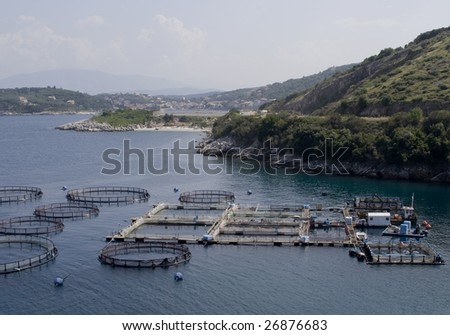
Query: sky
x,y
220,44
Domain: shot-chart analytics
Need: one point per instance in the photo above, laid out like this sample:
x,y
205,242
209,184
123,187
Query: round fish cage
x,y
111,254
46,245
19,193
31,225
206,197
69,210
109,195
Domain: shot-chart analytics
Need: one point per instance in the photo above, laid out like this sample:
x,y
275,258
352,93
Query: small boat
x,y
361,236
356,252
404,230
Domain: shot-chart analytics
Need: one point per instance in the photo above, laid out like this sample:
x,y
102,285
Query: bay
x,y
219,279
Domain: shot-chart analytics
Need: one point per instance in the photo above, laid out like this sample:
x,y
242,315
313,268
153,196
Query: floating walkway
x,y
235,225
211,217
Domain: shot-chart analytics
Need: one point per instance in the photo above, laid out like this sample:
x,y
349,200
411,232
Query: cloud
x,y
146,35
91,21
172,38
170,47
192,39
352,22
27,18
36,46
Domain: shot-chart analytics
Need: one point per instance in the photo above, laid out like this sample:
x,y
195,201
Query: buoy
x,y
178,276
249,192
58,281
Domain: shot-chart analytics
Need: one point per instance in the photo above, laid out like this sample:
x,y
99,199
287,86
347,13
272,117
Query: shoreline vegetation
x,y
140,120
406,146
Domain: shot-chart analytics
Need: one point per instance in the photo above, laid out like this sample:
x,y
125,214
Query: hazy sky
x,y
223,44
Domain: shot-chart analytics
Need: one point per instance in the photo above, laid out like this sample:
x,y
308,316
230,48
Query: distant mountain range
x,y
65,91
96,82
279,90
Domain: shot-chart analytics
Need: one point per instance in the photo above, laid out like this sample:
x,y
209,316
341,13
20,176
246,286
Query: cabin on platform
x,y
382,219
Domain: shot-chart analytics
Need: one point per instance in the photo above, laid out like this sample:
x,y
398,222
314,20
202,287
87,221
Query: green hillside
x,y
388,117
232,99
48,99
401,79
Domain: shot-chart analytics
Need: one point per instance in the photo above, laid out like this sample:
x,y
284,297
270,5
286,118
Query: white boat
x,y
361,236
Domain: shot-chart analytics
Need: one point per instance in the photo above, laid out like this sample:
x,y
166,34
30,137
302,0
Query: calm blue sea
x,y
218,279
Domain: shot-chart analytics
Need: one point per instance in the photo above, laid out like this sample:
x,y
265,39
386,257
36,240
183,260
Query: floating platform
x,y
237,225
395,231
207,222
415,253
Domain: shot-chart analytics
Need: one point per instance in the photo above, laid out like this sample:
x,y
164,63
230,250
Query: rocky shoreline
x,y
93,126
421,172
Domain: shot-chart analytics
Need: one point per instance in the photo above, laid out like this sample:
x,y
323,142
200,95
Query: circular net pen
x,y
108,195
69,210
31,225
19,193
133,254
206,197
48,252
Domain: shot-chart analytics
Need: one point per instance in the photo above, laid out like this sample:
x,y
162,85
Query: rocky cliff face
x,y
426,173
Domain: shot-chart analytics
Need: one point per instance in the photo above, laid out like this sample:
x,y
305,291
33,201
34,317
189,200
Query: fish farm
x,y
108,195
159,238
212,217
206,197
48,219
46,248
126,254
19,193
31,225
67,211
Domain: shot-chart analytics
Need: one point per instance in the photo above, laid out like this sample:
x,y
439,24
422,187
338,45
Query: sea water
x,y
219,279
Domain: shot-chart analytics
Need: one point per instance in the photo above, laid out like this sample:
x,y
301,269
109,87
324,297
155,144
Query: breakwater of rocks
x,y
92,126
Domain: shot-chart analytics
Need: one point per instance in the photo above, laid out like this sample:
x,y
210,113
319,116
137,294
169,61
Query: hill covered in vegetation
x,y
401,79
256,96
388,117
48,99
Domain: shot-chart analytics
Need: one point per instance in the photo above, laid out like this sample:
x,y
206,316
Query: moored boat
x,y
404,230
